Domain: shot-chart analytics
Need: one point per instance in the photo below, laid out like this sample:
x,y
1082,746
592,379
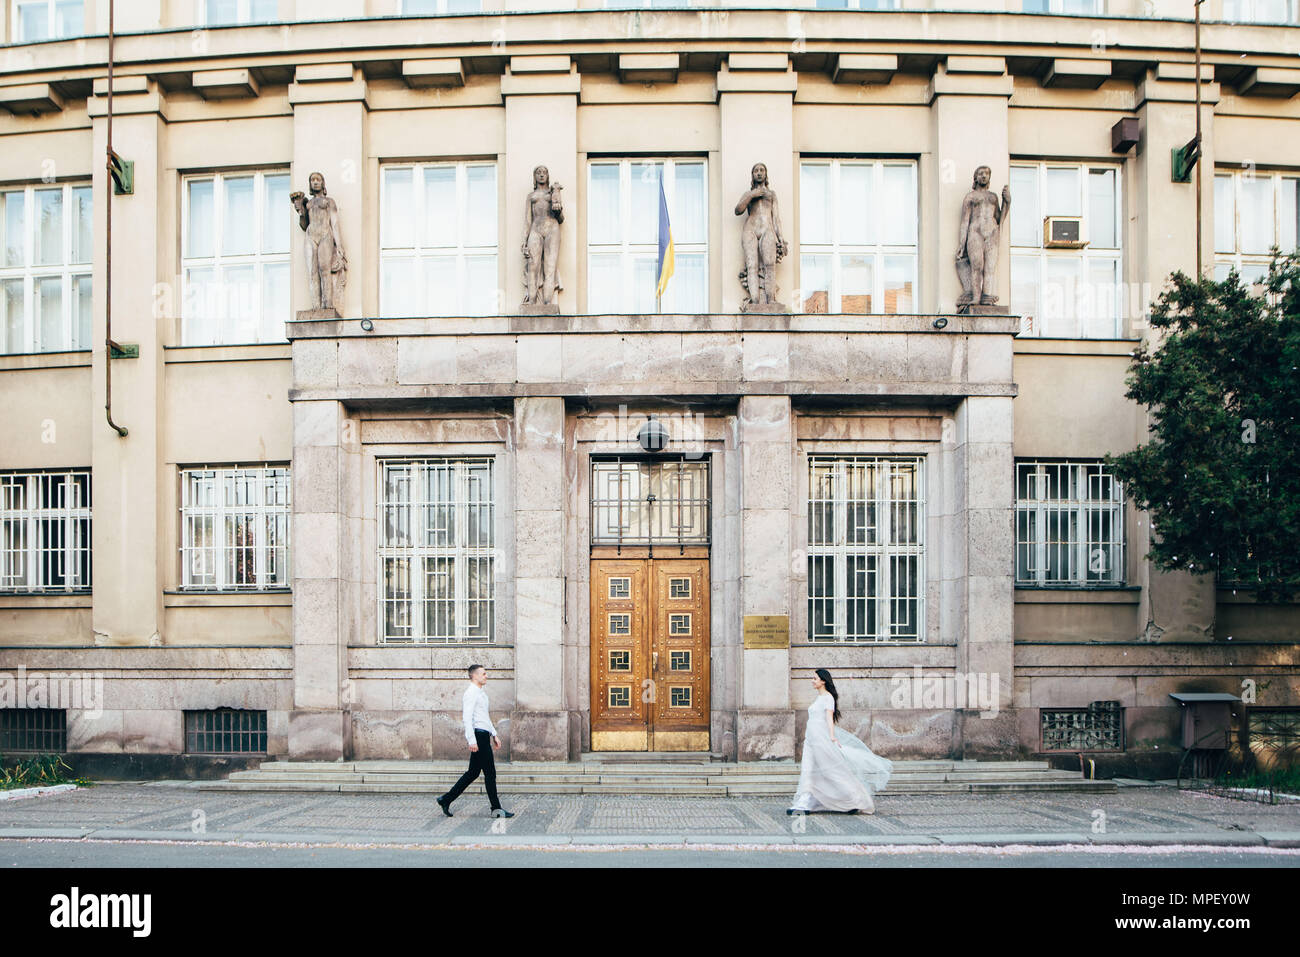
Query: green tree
x,y
1220,476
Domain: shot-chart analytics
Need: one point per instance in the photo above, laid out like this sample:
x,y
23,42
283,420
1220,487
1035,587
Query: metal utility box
x,y
1207,719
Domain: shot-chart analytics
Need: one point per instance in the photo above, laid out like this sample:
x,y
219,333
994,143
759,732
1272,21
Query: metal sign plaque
x,y
767,631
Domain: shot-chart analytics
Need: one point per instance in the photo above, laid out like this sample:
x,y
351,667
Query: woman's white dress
x,y
837,777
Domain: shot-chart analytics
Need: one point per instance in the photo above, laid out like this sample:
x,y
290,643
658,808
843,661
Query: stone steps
x,y
635,775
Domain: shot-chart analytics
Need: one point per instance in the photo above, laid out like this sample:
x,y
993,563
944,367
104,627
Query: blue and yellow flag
x,y
665,269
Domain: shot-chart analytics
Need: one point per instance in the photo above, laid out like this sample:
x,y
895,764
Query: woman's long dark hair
x,y
830,686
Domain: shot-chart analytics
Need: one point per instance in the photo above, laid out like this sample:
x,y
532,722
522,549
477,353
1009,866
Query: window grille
x,y
43,730
225,731
866,549
235,528
437,550
649,502
1098,727
1069,525
45,531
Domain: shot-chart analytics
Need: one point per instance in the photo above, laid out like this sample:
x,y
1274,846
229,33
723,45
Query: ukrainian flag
x,y
665,269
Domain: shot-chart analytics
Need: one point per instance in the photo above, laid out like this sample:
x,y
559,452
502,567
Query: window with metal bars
x,y
866,549
225,731
1069,525
235,528
43,730
641,501
1098,727
45,531
437,550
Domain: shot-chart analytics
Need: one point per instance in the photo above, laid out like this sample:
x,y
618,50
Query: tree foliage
x,y
1220,476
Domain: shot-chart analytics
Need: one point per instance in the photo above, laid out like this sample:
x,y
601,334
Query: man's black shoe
x,y
445,810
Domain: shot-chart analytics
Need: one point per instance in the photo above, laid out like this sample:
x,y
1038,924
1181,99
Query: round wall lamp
x,y
367,325
653,435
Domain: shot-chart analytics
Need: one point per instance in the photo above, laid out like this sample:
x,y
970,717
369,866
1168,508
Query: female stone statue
x,y
542,240
761,241
977,240
327,263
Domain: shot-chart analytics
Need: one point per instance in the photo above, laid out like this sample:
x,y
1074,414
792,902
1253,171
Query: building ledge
x,y
218,599
1109,595
245,352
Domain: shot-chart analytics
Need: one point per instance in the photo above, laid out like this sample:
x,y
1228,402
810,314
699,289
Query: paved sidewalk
x,y
172,811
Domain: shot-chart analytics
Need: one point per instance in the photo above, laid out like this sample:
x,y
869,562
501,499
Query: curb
x,y
1268,839
17,794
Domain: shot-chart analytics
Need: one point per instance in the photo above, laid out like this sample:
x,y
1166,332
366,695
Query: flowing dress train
x,y
837,777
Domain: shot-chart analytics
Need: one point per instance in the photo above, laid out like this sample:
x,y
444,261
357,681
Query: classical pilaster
x,y
329,137
984,522
1175,605
756,112
129,502
968,107
765,723
539,725
541,98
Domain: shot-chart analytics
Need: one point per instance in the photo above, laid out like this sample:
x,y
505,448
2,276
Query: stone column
x,y
756,111
129,509
539,725
765,723
541,97
329,133
1175,606
323,440
968,107
985,517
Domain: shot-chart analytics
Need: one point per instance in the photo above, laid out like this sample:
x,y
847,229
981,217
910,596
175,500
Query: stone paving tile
x,y
155,808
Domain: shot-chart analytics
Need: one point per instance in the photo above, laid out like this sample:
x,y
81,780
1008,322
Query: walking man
x,y
482,738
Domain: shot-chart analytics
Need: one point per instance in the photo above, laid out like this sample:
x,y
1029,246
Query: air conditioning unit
x,y
1063,232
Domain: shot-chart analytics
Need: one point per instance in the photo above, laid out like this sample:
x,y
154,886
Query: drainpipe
x,y
109,344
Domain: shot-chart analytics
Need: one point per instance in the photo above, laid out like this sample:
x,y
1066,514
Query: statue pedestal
x,y
308,315
983,309
765,309
538,309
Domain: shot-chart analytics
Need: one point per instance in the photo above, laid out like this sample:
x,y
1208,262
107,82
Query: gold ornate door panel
x,y
620,668
650,651
679,654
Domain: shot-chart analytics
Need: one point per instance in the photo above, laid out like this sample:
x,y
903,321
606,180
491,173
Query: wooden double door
x,y
650,650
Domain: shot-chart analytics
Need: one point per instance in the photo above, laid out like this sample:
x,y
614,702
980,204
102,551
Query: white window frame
x,y
51,20
415,552
859,5
70,515
627,251
443,9
218,329
1082,553
884,550
1057,8
1252,11
878,250
244,17
460,251
1084,256
31,274
216,577
1249,265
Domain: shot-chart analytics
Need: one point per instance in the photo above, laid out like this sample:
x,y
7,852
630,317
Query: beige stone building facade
x,y
313,525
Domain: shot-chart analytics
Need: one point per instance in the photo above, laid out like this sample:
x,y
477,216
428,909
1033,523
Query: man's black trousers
x,y
480,760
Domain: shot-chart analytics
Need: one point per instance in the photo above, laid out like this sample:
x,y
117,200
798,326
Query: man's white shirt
x,y
476,713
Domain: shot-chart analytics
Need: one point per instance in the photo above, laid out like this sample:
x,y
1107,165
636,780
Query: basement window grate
x,y
43,730
225,731
1098,727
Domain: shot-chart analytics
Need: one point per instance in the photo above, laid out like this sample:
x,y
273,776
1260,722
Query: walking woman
x,y
839,772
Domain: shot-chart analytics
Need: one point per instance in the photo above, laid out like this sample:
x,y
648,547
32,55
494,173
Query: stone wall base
x,y
995,738
764,735
320,736
539,735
